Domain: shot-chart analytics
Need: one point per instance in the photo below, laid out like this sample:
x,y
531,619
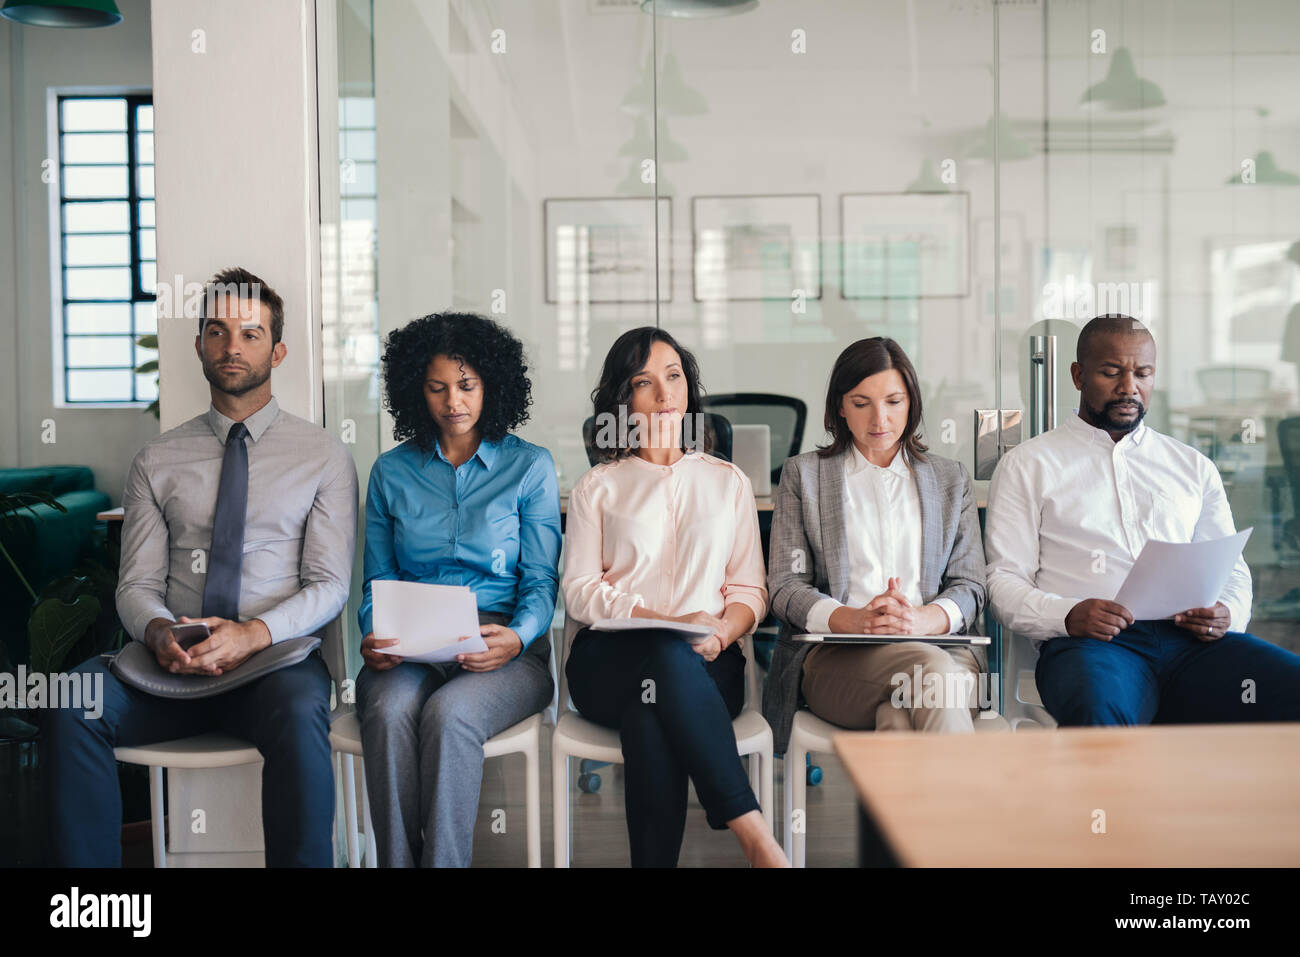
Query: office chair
x,y
784,415
1288,440
718,424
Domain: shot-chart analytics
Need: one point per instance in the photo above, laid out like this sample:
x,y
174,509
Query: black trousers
x,y
673,711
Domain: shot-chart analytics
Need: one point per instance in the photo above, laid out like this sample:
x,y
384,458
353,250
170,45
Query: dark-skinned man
x,y
1070,510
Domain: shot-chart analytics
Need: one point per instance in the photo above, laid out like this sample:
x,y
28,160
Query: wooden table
x,y
1172,796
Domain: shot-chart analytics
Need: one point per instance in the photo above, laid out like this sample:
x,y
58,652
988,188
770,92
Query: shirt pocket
x,y
1170,513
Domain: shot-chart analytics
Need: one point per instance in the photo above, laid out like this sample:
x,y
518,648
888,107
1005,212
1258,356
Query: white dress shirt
x,y
674,539
882,524
1070,510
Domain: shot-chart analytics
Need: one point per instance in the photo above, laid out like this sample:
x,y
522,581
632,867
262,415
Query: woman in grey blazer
x,y
874,535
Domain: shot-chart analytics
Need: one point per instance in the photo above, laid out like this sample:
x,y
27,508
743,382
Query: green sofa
x,y
45,545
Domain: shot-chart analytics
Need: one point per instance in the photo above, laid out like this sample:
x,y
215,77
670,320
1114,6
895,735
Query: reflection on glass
x,y
865,180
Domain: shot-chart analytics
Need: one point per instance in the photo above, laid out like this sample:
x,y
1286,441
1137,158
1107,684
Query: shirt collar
x,y
257,423
486,453
1090,433
857,462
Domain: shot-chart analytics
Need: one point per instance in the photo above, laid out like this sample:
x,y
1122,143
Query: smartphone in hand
x,y
190,634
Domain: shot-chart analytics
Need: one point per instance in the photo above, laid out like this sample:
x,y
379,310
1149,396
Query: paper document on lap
x,y
427,620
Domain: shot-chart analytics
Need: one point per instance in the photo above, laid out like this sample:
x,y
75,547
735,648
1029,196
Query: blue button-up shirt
x,y
492,524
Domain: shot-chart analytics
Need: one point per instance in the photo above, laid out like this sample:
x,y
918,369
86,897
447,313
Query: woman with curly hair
x,y
460,502
664,532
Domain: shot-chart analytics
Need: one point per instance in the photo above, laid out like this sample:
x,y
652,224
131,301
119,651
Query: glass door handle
x,y
1042,384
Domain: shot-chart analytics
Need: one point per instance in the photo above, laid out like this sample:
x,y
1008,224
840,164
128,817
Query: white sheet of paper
x,y
427,620
1171,577
689,632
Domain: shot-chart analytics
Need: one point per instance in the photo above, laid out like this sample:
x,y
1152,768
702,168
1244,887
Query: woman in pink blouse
x,y
664,532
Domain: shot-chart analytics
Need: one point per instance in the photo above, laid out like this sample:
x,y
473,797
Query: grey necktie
x,y
226,556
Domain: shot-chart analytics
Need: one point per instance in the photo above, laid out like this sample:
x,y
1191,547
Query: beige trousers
x,y
861,687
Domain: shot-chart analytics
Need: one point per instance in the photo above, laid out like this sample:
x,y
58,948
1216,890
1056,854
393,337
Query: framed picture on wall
x,y
904,245
756,247
602,250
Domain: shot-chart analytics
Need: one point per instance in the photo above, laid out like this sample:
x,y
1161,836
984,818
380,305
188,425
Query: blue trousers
x,y
285,714
678,727
1156,672
423,728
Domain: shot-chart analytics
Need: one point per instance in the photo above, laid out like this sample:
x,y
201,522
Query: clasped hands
x,y
890,613
228,645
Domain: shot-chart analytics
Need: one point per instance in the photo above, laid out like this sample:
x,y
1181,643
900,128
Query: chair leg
x,y
755,761
560,804
533,800
372,849
350,808
156,817
336,766
765,761
787,806
796,761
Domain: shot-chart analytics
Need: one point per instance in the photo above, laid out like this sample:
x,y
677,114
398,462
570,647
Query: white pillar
x,y
235,139
237,177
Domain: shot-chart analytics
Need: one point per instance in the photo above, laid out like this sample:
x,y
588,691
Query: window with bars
x,y
108,249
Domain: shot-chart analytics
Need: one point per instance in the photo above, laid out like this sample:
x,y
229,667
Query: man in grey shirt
x,y
243,518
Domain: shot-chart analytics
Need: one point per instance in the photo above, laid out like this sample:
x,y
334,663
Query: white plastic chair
x,y
523,738
203,751
575,736
199,751
811,734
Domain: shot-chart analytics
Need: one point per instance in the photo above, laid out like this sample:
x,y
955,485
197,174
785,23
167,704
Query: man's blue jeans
x,y
1156,672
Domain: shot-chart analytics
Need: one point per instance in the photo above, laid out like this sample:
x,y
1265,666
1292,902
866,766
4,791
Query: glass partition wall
x,y
770,185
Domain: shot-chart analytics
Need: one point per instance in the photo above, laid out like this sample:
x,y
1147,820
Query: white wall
x,y
235,139
236,177
32,60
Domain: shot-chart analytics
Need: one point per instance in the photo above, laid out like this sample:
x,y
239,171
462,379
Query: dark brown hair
x,y
628,356
864,358
242,284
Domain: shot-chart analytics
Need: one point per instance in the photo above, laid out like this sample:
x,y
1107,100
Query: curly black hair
x,y
496,355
